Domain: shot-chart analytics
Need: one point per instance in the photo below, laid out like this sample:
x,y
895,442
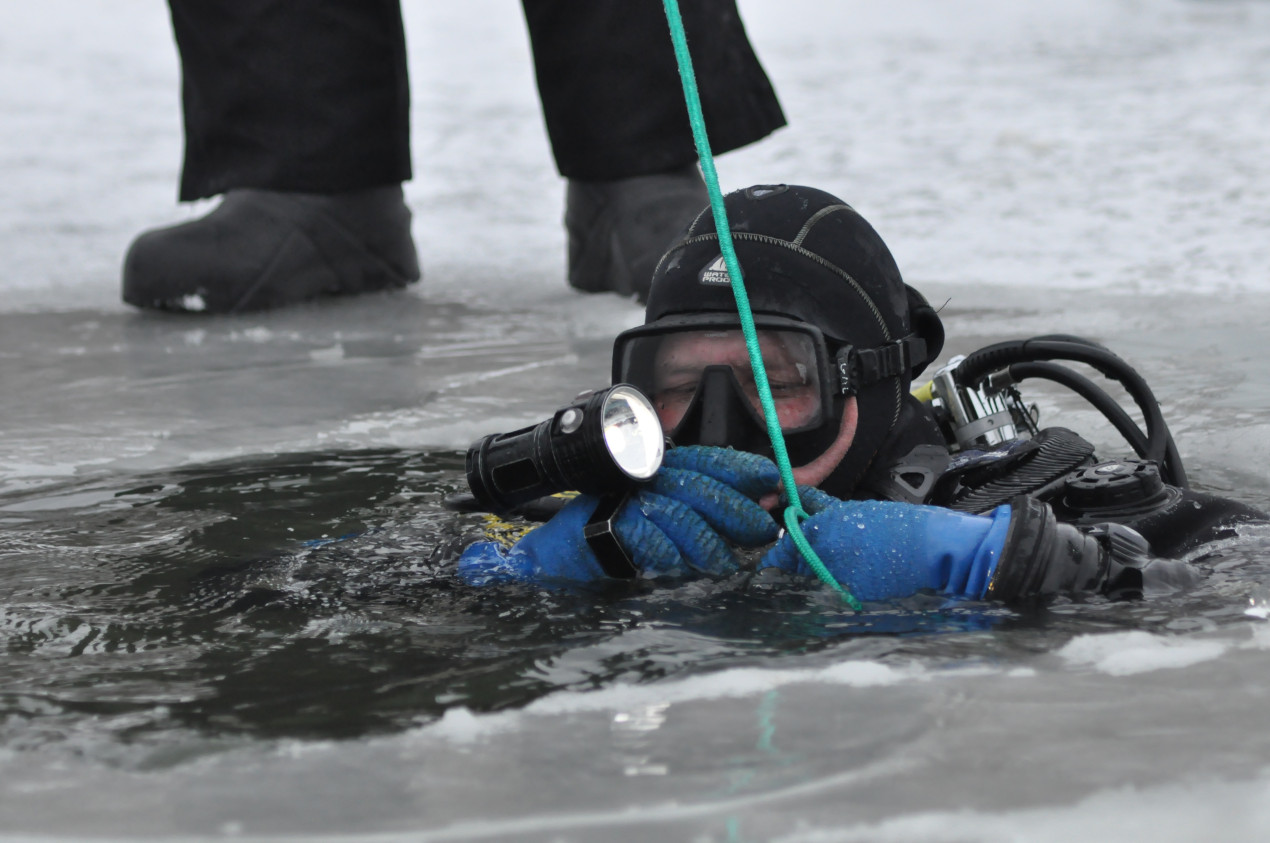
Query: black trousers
x,y
313,95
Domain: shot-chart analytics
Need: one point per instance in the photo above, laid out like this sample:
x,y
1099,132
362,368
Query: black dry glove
x,y
1043,557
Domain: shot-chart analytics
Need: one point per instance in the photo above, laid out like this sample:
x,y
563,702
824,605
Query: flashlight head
x,y
603,442
632,432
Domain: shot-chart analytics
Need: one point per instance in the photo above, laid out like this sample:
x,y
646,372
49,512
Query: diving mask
x,y
697,373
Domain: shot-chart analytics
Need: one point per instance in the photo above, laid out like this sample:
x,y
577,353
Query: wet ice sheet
x,y
850,751
106,391
1113,147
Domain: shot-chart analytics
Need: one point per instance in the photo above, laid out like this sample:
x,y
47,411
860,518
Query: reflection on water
x,y
311,595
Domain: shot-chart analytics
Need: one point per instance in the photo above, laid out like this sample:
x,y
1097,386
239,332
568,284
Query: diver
x,y
960,493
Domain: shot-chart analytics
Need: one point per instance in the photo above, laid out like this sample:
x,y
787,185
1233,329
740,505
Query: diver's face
x,y
791,374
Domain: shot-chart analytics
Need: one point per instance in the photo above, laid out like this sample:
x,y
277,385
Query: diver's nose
x,y
720,414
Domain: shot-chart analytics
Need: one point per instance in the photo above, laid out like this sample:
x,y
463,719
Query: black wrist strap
x,y
603,541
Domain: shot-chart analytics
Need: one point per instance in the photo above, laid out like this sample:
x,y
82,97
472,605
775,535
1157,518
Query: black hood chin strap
x,y
860,367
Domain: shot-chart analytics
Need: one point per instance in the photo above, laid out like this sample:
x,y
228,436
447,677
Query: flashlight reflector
x,y
632,432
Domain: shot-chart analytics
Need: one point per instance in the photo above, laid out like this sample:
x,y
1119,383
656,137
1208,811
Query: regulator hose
x,y
1030,358
1091,392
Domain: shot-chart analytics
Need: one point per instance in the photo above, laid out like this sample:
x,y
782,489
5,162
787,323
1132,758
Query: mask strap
x,y
860,367
794,513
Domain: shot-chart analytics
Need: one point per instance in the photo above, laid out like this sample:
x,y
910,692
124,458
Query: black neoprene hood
x,y
806,255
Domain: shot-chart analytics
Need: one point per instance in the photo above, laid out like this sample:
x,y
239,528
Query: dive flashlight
x,y
604,442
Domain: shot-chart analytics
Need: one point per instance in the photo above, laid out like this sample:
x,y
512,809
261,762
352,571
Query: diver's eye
x,y
785,388
678,395
679,391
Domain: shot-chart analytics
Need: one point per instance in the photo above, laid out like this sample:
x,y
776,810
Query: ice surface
x,y
1138,652
459,724
1105,147
1167,814
1103,144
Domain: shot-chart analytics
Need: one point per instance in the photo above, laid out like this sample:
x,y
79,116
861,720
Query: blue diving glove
x,y
683,521
882,550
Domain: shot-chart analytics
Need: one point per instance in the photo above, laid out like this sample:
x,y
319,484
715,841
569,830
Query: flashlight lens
x,y
632,432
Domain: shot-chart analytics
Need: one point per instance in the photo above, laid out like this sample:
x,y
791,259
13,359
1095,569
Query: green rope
x,y
794,513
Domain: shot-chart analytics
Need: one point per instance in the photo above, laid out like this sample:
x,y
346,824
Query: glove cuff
x,y
1041,556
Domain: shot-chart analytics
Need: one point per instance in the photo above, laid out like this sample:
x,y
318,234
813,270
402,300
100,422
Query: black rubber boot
x,y
262,249
618,230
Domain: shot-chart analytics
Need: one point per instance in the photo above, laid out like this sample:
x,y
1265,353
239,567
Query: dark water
x,y
312,595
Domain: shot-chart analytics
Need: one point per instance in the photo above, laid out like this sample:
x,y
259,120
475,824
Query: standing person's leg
x,y
299,113
615,113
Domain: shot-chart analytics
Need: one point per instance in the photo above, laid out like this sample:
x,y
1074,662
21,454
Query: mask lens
x,y
669,368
